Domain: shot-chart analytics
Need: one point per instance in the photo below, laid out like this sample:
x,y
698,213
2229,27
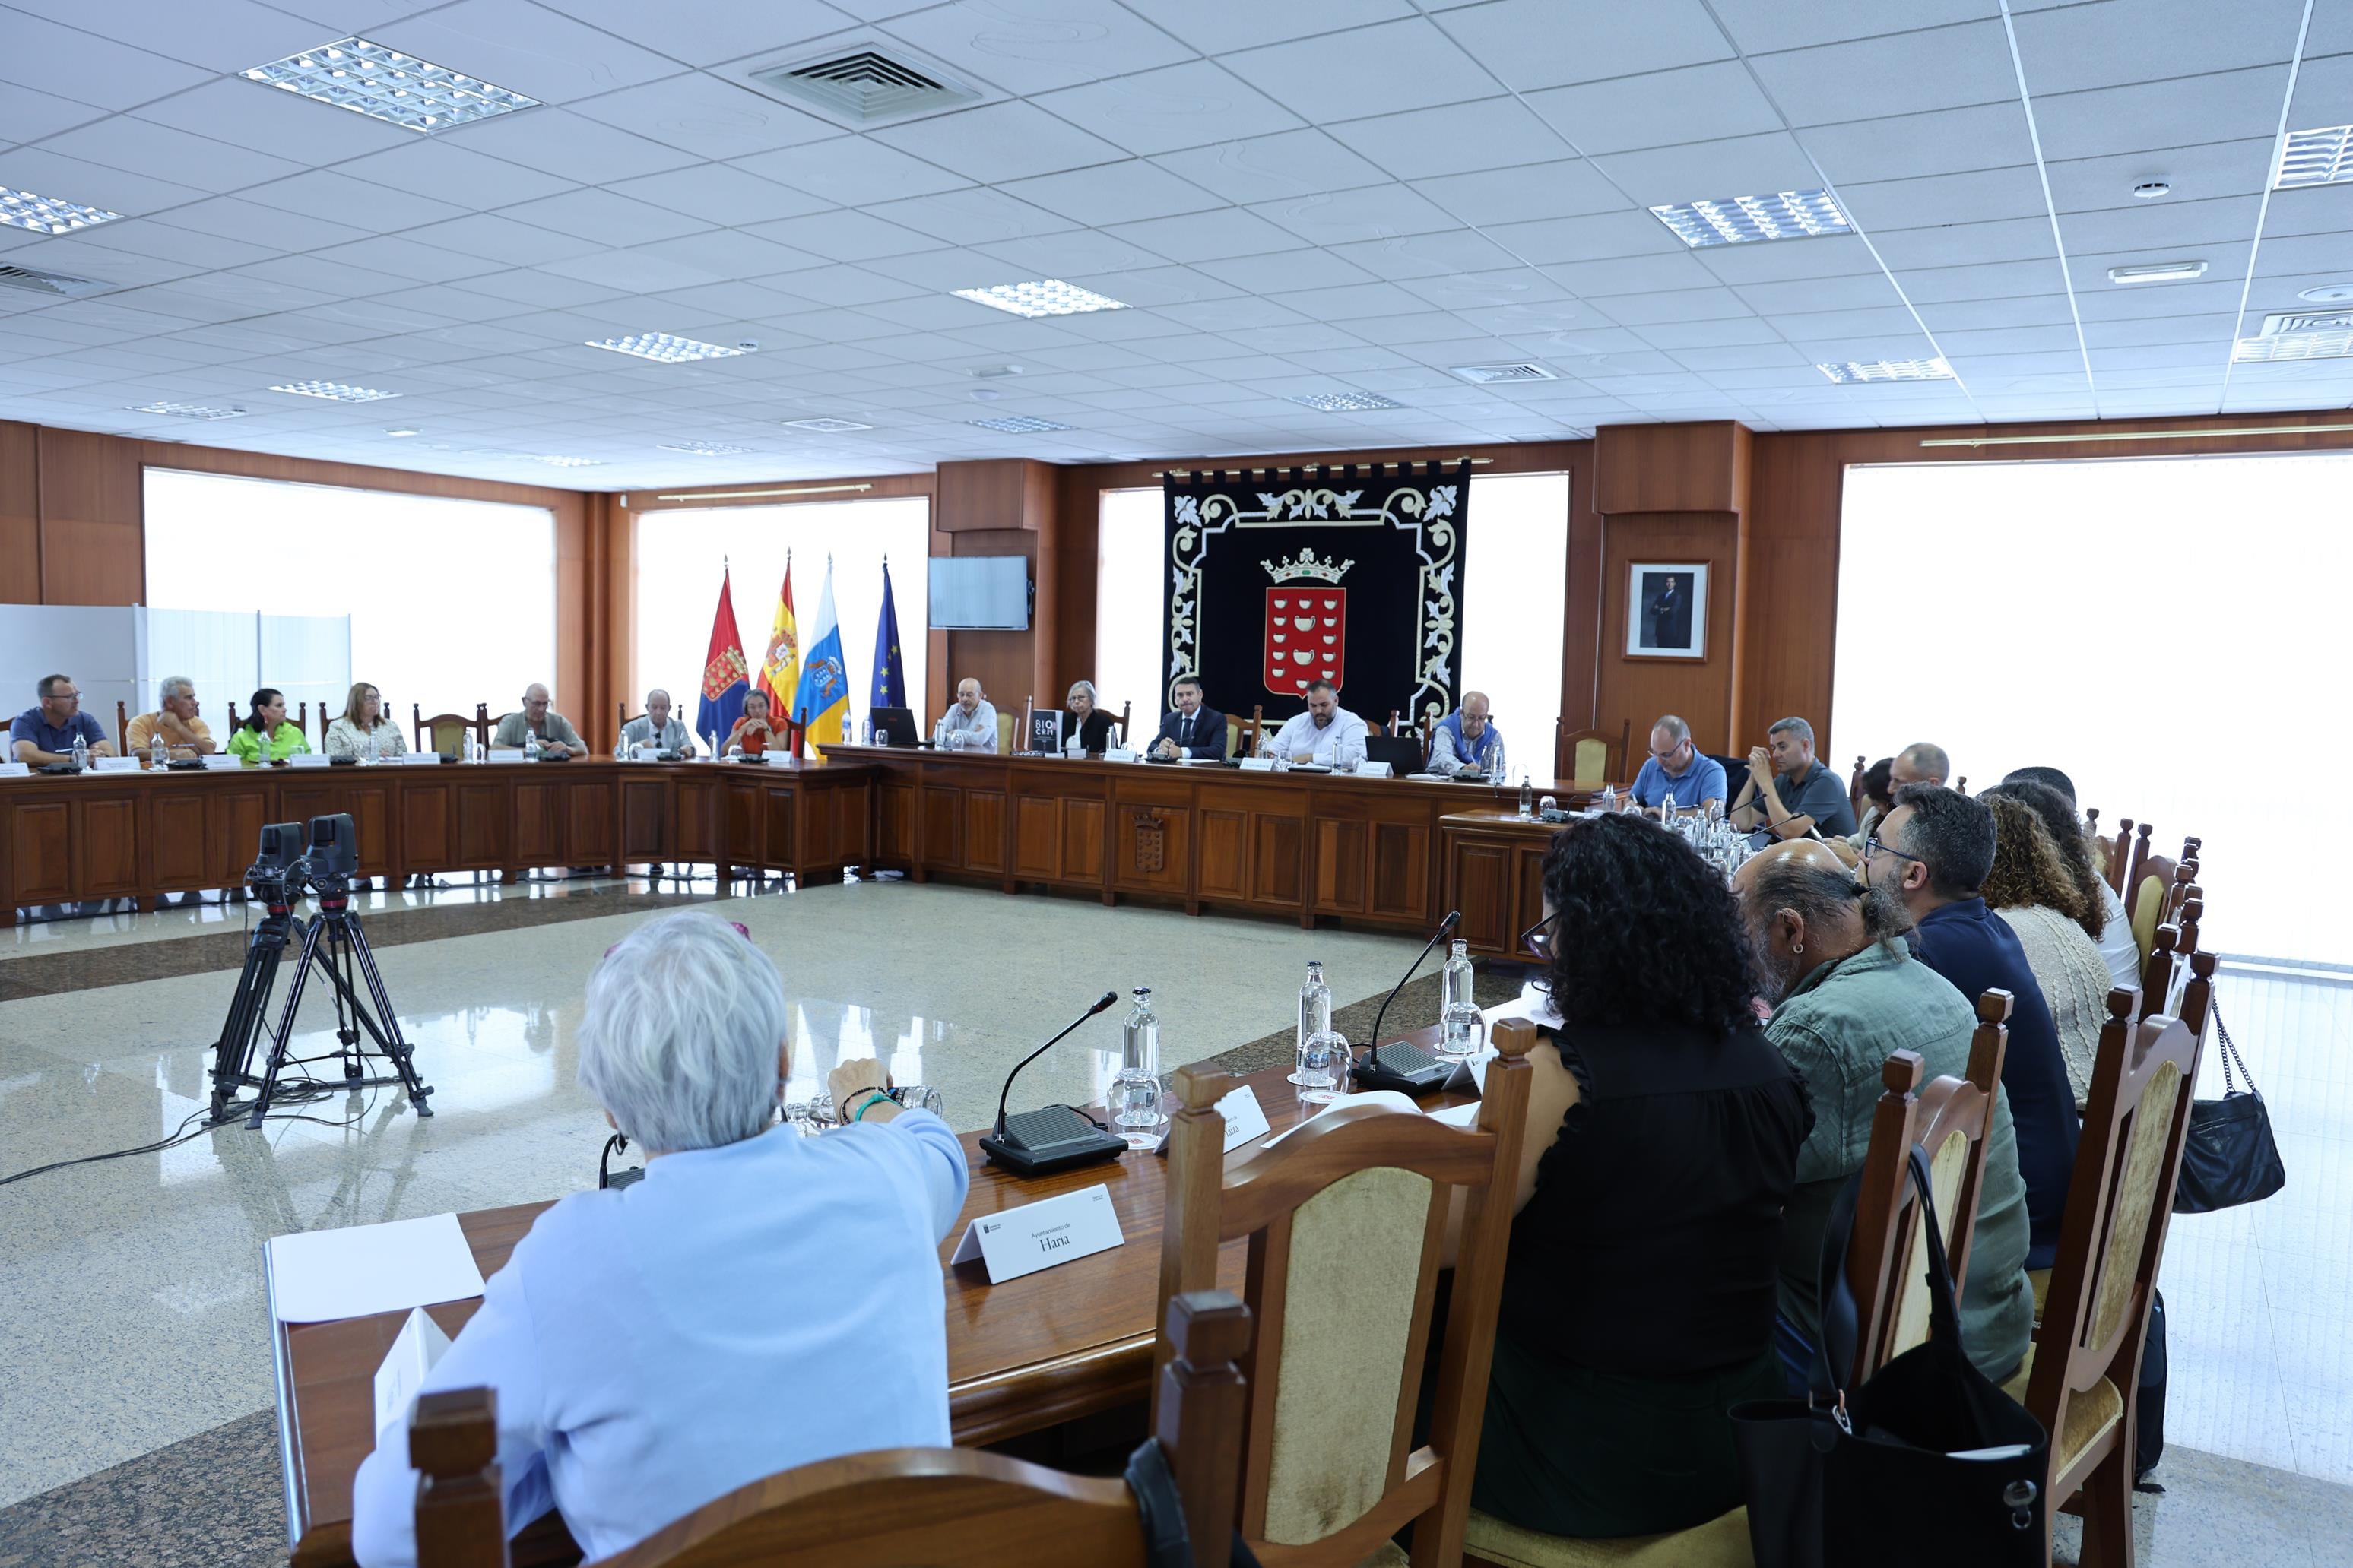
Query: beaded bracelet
x,y
878,1098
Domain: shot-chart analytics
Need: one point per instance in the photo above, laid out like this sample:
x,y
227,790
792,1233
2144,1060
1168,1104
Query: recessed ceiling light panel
x,y
334,391
825,426
187,411
1745,220
1020,425
2293,346
1499,374
1851,372
1342,402
2159,272
664,349
385,84
47,215
1045,296
567,462
404,430
706,449
2321,157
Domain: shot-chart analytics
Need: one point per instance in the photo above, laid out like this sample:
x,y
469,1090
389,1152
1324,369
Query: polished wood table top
x,y
1026,1354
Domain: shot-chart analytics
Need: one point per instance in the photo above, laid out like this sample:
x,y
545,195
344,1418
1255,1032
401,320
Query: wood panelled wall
x,y
1763,510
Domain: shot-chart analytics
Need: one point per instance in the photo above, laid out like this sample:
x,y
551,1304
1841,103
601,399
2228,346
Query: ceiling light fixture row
x,y
2157,272
664,349
1848,372
1342,402
1020,425
706,449
1043,297
186,411
385,84
1745,220
47,215
824,427
333,391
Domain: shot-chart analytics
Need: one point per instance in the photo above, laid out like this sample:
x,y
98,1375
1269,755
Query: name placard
x,y
15,770
310,760
1258,765
421,1343
114,764
507,754
1039,1236
646,753
1371,770
1119,754
420,759
219,759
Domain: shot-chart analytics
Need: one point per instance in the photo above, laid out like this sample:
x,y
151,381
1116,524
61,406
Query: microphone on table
x,y
1408,1069
1057,1137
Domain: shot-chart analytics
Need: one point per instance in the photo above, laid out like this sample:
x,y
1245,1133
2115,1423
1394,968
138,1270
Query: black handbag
x,y
2228,1156
1926,1463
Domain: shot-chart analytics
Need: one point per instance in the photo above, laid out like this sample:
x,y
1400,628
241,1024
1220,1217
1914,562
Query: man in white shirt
x,y
1326,734
971,718
656,726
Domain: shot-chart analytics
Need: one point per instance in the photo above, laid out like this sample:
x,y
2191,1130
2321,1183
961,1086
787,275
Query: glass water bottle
x,y
1135,1090
1314,1014
1461,1032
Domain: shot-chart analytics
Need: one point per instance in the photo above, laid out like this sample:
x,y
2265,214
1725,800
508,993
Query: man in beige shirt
x,y
557,738
176,719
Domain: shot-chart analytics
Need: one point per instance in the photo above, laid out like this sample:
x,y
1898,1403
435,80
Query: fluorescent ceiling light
x,y
1020,425
2293,346
1741,220
2157,272
404,430
2321,157
47,215
1046,297
1494,375
1853,371
562,462
334,391
664,347
385,84
1342,402
187,411
825,426
706,449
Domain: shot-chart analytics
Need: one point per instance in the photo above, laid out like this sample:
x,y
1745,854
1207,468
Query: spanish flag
x,y
724,685
780,672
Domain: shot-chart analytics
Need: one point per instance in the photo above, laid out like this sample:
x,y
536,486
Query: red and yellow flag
x,y
780,672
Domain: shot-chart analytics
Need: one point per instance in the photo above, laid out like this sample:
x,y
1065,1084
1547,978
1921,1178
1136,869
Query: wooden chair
x,y
2125,854
443,731
1590,756
1005,722
122,730
893,1507
1345,1218
1857,797
2082,1377
2145,895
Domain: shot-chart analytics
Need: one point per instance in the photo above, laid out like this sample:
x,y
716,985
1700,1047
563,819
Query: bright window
x,y
1517,554
681,554
2166,631
451,601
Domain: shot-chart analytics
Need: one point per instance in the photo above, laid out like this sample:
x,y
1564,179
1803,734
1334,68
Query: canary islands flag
x,y
823,691
724,676
780,672
889,670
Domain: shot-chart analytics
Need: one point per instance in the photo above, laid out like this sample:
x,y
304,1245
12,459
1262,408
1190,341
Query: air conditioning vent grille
x,y
2291,322
1491,375
865,86
56,284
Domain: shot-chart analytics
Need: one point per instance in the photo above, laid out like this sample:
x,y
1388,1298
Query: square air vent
x,y
866,86
1496,375
2290,323
57,285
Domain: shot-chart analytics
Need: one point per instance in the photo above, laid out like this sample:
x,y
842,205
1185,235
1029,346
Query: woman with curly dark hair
x,y
2030,889
1663,1130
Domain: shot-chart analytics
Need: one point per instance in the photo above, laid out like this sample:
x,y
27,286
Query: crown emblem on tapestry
x,y
1323,569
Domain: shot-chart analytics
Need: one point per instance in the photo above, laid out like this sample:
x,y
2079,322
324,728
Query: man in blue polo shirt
x,y
1934,851
44,732
1789,795
1677,770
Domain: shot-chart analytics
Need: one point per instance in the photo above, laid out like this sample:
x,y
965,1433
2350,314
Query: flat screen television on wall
x,y
979,593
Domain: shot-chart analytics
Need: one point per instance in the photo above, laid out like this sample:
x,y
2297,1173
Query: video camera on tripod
x,y
324,862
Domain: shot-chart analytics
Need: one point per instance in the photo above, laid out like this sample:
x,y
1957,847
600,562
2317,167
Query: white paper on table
x,y
310,760
1258,765
114,764
507,754
421,759
15,770
223,759
1463,1115
1369,770
1386,1099
317,1275
1120,754
420,1343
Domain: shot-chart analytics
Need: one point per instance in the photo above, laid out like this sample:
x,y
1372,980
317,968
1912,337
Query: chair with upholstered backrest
x,y
2146,896
893,1508
1005,722
444,732
1592,756
2126,853
1345,1218
2082,1379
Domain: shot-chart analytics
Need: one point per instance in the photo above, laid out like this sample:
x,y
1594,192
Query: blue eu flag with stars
x,y
890,678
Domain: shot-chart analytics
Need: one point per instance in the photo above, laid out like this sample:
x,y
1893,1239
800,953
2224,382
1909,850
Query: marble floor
x,y
131,1313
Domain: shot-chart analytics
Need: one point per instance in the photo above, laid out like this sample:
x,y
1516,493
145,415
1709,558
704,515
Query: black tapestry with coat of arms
x,y
1350,574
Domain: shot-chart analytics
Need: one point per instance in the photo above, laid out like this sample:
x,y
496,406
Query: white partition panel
x,y
309,658
217,649
95,644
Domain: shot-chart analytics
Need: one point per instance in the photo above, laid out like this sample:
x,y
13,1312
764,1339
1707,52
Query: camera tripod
x,y
346,957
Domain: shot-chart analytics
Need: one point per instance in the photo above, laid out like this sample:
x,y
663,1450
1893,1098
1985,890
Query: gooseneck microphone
x,y
1408,1069
1057,1137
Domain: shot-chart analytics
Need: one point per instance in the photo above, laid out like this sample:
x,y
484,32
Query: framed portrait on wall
x,y
1666,610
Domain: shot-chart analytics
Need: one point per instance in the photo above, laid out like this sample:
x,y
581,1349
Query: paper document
x,y
317,1275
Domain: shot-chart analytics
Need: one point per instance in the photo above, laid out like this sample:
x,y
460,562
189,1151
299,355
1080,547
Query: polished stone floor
x,y
130,1302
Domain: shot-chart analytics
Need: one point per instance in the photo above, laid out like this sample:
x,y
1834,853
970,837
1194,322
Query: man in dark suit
x,y
1190,730
1669,616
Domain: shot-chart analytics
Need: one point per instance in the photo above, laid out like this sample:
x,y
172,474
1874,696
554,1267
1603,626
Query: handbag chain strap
x,y
2231,1058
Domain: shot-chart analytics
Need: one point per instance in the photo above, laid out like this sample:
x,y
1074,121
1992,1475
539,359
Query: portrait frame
x,y
1666,609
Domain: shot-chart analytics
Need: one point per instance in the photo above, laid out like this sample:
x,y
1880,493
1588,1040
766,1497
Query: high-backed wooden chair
x,y
233,719
893,1508
1345,1218
122,730
1591,757
2082,1377
1857,796
1242,734
2145,895
2125,854
443,731
325,720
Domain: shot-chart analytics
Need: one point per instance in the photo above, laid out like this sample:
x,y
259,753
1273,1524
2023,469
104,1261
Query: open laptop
x,y
1402,753
896,726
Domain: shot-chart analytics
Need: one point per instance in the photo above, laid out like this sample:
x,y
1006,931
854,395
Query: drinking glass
x,y
1463,1032
1324,1063
919,1097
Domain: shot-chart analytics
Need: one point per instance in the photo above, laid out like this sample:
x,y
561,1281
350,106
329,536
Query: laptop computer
x,y
1402,753
896,726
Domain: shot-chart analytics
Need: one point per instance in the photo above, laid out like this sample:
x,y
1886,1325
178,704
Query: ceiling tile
x,y
1761,27
352,202
1457,138
251,115
1823,255
605,216
2166,300
971,217
496,238
1539,43
1453,251
852,171
404,258
1902,73
2226,107
1397,65
1027,46
1967,245
1697,103
1484,290
1568,189
1286,271
1990,281
553,141
1197,104
999,141
717,193
1630,274
706,34
1744,165
2067,49
1126,192
1859,292
1266,168
27,116
843,236
525,49
1677,305
1066,256
1595,237
1206,237
2324,92
1374,212
2163,226
61,178
2030,311
41,53
235,218
1908,146
1983,195
2196,173
707,117
151,237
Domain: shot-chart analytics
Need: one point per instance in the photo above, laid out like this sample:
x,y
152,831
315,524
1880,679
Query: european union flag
x,y
890,678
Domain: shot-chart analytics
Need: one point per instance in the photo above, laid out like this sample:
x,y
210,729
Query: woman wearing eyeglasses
x,y
1664,1131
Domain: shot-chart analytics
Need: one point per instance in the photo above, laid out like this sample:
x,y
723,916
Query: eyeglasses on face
x,y
1537,937
1872,845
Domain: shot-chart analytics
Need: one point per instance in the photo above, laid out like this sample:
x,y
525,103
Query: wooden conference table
x,y
1029,1353
1385,854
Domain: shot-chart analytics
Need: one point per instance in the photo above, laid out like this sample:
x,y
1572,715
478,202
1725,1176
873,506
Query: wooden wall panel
x,y
1671,468
93,539
1643,689
20,513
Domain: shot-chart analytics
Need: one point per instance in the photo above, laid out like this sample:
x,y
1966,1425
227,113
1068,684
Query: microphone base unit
x,y
1038,1142
1403,1068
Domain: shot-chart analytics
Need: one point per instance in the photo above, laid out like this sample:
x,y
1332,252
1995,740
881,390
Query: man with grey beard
x,y
1848,994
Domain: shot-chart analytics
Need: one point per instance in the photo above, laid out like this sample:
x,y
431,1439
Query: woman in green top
x,y
266,736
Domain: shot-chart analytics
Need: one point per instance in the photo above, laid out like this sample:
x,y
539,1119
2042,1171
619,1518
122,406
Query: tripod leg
x,y
286,1025
398,1049
249,1007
